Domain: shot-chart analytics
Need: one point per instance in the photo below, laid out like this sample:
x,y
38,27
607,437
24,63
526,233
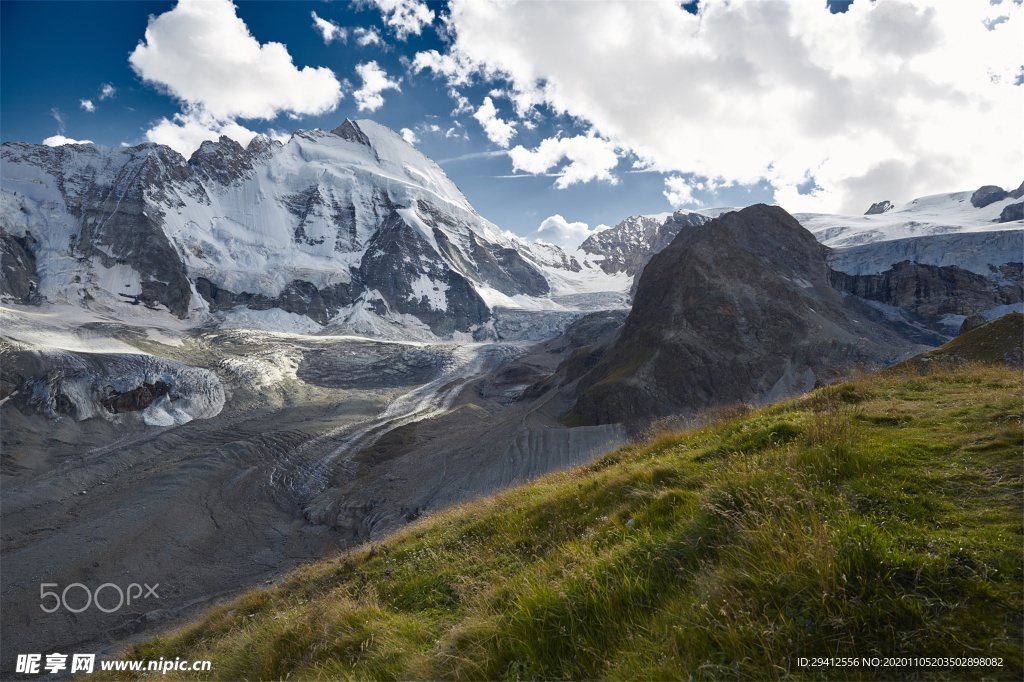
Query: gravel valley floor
x,y
322,443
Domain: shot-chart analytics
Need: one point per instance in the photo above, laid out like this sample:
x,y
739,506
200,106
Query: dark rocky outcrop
x,y
350,131
506,270
397,259
1011,213
927,291
135,400
879,208
988,194
19,280
971,323
225,161
299,297
739,309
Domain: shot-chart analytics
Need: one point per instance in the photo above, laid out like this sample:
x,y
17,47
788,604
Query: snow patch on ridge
x,y
434,292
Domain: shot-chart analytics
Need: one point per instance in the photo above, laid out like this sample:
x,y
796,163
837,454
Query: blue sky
x,y
593,111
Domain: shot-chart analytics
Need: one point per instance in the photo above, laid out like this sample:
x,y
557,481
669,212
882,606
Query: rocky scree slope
x,y
740,309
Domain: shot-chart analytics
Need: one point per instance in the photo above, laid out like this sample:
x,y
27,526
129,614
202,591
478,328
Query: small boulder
x,y
972,323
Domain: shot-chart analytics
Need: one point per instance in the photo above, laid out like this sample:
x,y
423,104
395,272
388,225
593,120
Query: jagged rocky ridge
x,y
629,246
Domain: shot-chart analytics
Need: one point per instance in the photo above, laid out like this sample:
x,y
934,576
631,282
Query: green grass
x,y
999,341
882,517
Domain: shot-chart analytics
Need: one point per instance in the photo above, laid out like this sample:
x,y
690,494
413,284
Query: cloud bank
x,y
889,100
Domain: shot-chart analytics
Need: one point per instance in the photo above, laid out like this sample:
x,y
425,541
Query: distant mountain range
x,y
354,230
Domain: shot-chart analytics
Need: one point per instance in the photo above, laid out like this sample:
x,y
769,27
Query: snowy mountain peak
x,y
349,130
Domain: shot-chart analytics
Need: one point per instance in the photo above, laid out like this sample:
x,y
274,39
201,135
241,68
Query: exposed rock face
x,y
1012,212
119,227
879,208
928,291
623,246
988,194
1019,192
299,297
225,161
739,309
19,280
136,399
628,246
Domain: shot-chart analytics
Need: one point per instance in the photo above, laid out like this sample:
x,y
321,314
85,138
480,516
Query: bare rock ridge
x,y
929,293
739,309
879,208
19,278
628,246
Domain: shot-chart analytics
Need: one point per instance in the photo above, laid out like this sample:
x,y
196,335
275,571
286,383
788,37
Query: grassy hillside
x,y
881,517
998,341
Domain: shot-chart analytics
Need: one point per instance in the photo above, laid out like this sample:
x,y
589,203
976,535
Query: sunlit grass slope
x,y
881,517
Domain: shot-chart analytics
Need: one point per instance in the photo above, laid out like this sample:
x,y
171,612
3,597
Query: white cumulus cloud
x,y
87,105
498,131
107,91
186,132
406,17
58,140
375,81
679,192
329,30
203,54
409,136
889,100
589,158
559,231
367,36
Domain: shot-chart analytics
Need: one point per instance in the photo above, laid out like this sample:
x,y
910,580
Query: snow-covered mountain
x,y
352,228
